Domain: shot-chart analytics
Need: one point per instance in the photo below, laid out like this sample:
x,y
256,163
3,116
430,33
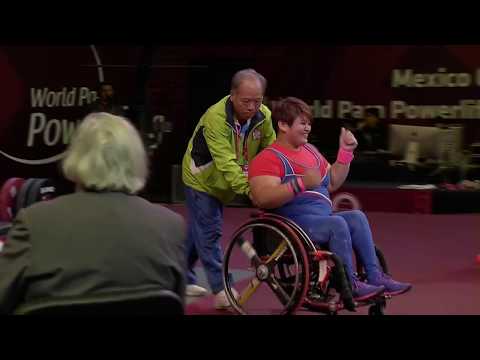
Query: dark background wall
x,y
184,80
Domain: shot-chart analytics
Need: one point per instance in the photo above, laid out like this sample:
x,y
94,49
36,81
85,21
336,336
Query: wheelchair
x,y
283,272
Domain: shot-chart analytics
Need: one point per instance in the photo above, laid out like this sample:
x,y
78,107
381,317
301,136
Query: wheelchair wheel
x,y
272,267
378,307
376,310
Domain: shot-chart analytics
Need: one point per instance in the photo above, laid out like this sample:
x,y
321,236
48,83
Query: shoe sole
x,y
399,292
369,296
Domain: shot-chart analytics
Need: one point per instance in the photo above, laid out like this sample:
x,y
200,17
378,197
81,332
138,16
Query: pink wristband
x,y
344,157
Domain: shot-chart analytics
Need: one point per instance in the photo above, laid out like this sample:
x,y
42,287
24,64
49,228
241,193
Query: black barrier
x,y
40,190
23,195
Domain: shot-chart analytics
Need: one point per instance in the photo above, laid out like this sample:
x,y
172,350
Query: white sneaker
x,y
195,290
221,301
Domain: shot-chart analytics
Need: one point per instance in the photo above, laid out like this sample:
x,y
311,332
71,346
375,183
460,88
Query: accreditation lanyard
x,y
240,134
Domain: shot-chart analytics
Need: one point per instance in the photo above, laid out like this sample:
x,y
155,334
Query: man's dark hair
x,y
102,84
372,111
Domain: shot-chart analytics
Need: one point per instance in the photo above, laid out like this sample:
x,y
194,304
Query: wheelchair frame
x,y
318,283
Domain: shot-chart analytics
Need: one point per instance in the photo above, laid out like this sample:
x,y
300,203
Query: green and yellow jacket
x,y
216,157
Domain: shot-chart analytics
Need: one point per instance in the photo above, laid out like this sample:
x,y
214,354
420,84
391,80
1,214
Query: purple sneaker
x,y
363,291
392,287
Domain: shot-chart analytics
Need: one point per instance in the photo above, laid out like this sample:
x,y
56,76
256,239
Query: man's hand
x,y
347,140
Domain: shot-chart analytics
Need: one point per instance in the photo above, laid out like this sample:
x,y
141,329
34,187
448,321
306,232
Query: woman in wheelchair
x,y
292,179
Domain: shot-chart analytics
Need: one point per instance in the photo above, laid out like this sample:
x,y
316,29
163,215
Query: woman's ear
x,y
282,126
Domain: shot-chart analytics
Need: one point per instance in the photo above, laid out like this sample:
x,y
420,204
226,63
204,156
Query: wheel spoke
x,y
279,251
249,290
278,290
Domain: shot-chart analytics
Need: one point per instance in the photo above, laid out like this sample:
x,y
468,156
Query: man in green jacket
x,y
214,168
